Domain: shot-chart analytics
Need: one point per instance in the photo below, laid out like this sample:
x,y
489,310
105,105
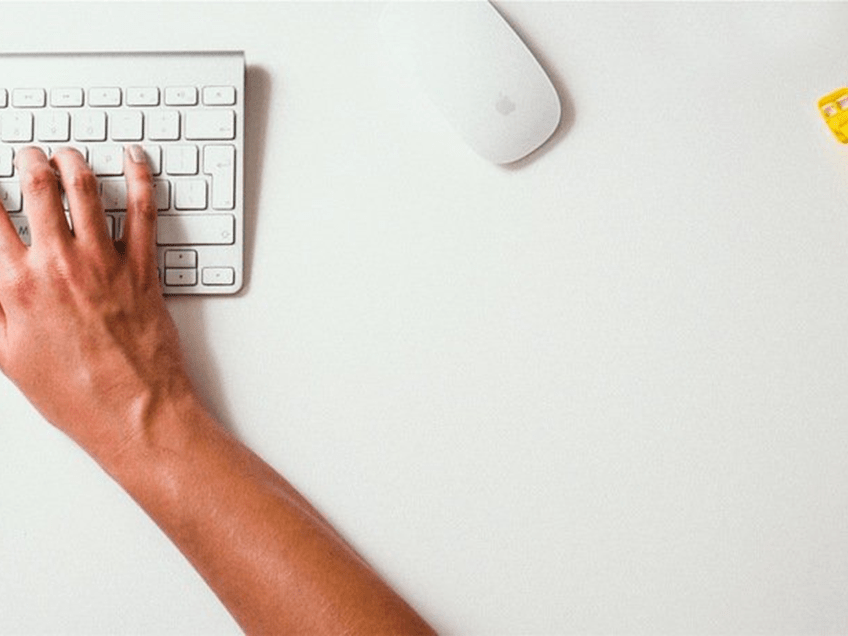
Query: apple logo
x,y
505,105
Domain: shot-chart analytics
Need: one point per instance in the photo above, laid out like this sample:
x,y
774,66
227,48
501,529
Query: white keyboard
x,y
185,109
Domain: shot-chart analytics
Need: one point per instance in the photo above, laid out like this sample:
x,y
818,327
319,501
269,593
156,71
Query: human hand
x,y
84,331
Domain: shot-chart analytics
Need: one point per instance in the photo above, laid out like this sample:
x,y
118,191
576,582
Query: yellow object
x,y
834,110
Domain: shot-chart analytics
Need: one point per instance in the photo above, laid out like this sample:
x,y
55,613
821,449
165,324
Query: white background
x,y
603,391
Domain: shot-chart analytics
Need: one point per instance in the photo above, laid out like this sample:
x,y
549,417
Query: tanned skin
x,y
86,336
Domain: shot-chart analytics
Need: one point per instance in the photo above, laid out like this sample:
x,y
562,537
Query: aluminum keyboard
x,y
185,109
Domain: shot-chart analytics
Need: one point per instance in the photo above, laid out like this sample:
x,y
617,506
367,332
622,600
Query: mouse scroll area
x,y
473,66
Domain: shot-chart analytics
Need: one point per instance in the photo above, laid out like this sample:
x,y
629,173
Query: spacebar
x,y
197,229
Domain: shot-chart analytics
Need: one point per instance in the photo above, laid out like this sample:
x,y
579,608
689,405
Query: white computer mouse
x,y
478,72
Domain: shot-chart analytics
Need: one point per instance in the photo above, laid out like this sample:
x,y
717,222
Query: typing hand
x,y
84,331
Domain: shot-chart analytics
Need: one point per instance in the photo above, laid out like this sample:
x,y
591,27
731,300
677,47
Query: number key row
x,y
110,96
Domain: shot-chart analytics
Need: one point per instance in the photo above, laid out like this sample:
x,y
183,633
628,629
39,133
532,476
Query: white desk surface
x,y
605,391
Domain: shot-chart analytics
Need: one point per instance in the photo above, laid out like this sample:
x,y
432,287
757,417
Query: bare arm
x,y
85,334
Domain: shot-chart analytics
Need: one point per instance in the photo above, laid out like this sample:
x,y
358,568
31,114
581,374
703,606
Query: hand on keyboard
x,y
84,331
186,110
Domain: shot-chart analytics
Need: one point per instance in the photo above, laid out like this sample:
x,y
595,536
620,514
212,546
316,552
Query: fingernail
x,y
20,155
136,153
59,149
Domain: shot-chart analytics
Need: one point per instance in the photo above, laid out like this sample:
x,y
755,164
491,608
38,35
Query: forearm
x,y
274,562
85,334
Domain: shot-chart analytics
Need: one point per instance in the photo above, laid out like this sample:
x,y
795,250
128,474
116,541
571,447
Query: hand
x,y
84,331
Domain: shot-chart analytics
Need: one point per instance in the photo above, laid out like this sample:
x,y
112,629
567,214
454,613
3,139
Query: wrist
x,y
157,430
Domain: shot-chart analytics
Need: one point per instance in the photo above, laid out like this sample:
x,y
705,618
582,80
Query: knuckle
x,y
140,199
144,207
19,288
82,181
140,178
57,266
38,178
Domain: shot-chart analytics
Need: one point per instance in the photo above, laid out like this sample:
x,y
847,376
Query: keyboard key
x,y
190,194
181,159
162,194
52,125
7,156
10,195
196,229
210,124
180,258
107,159
181,96
29,98
90,125
163,125
181,277
218,276
22,226
219,162
219,95
4,98
154,158
16,126
118,222
66,97
113,194
143,96
126,125
104,96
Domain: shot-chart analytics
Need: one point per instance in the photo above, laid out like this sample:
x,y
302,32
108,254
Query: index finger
x,y
140,227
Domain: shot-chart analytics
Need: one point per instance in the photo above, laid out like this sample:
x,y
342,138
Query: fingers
x,y
140,227
44,209
83,194
42,202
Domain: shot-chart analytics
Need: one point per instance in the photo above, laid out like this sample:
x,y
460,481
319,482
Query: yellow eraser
x,y
834,110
